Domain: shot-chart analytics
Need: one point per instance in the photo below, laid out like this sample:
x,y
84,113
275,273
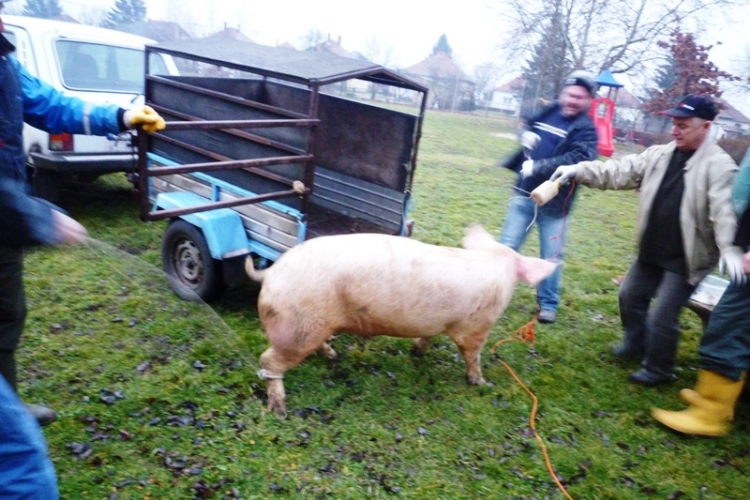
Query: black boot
x,y
42,414
658,365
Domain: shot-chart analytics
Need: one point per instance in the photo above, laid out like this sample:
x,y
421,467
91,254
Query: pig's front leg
x,y
470,346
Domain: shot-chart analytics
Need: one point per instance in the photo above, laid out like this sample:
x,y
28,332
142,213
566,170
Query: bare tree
x,y
599,34
312,38
485,78
375,52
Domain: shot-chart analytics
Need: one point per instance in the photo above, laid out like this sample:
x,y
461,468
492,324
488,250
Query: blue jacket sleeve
x,y
48,109
25,220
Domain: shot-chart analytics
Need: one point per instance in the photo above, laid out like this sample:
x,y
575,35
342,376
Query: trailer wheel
x,y
188,263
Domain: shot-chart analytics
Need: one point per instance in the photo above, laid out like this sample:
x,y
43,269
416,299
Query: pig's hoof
x,y
478,381
278,410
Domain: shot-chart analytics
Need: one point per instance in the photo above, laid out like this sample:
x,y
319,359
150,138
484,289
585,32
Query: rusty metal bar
x,y
142,168
176,212
417,137
223,124
237,133
227,165
218,157
312,146
226,97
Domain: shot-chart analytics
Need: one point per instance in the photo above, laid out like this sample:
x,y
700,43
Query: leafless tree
x,y
599,34
376,52
312,38
485,77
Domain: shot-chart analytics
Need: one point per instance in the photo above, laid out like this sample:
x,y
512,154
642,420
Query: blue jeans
x,y
551,243
725,345
26,472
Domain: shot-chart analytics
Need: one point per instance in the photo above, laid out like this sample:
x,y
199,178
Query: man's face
x,y
689,133
574,100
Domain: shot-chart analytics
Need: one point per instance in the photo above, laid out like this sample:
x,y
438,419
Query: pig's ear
x,y
533,270
477,238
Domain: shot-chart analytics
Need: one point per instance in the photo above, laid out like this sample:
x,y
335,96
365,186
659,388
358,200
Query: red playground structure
x,y
602,111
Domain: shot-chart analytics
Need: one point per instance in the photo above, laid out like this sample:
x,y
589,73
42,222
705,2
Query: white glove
x,y
731,262
529,140
527,168
564,174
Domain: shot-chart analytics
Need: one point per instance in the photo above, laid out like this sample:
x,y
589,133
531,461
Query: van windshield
x,y
94,66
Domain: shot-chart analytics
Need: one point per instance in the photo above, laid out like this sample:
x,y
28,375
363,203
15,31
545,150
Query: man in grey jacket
x,y
685,225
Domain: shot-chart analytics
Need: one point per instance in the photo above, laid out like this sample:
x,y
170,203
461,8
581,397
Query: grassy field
x,y
158,398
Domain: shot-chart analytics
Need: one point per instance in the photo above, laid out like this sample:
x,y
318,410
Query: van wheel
x,y
193,274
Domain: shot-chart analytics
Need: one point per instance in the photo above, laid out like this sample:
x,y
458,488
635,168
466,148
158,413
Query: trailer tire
x,y
193,274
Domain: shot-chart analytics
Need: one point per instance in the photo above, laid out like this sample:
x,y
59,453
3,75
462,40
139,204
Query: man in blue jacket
x,y
25,469
562,132
25,220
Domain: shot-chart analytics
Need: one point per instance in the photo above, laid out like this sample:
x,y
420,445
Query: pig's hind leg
x,y
289,347
470,344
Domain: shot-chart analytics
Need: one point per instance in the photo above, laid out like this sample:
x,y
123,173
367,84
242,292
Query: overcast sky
x,y
405,30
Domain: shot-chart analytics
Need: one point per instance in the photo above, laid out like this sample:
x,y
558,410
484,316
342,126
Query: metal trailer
x,y
261,152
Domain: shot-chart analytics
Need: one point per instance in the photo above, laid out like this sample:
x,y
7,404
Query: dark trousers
x,y
12,310
650,302
725,346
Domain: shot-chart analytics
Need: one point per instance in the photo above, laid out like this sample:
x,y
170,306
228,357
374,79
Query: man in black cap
x,y
685,225
561,134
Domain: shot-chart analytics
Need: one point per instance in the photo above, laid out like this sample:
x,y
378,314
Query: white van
x,y
95,64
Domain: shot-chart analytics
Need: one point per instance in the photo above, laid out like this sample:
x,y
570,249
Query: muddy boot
x,y
711,408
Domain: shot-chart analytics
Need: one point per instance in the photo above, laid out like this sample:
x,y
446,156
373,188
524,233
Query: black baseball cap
x,y
582,78
697,105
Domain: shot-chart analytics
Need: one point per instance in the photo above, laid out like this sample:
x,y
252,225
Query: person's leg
x,y
517,221
12,310
12,317
663,330
725,345
636,292
552,244
25,468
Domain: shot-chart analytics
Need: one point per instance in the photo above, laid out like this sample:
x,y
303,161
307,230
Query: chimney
x,y
339,42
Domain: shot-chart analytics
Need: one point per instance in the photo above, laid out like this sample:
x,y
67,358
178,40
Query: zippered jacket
x,y
707,218
25,98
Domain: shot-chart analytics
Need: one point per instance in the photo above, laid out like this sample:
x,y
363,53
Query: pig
x,y
374,284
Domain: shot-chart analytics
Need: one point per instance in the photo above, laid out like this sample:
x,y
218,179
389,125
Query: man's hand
x,y
746,263
68,230
734,263
529,140
527,168
564,174
146,117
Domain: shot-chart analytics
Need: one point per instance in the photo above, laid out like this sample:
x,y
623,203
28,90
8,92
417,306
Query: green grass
x,y
165,395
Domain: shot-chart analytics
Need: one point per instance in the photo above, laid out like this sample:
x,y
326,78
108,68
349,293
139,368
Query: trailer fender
x,y
222,228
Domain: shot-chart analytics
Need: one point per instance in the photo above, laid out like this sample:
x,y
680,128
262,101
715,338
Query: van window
x,y
10,37
93,66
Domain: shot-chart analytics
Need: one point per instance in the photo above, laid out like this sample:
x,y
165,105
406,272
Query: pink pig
x,y
372,284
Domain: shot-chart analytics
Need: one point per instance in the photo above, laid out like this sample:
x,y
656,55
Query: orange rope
x,y
525,334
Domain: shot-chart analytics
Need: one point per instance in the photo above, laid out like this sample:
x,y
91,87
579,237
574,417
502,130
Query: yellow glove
x,y
146,117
